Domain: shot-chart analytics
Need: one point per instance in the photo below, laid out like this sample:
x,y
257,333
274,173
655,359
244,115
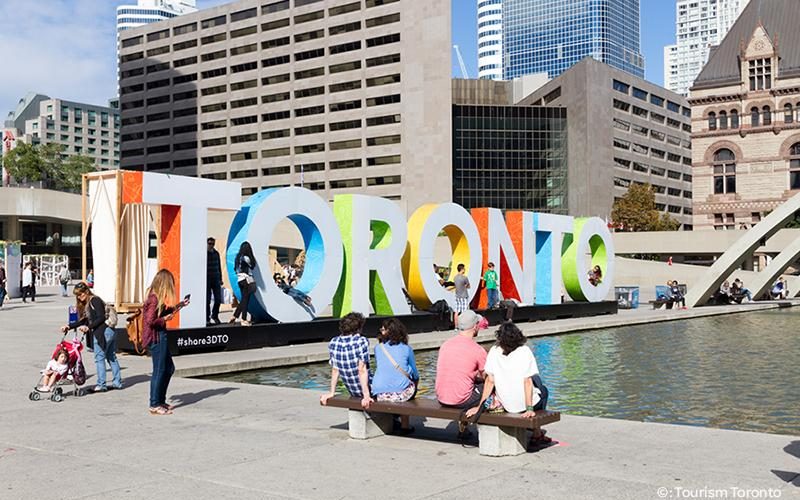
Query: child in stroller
x,y
65,363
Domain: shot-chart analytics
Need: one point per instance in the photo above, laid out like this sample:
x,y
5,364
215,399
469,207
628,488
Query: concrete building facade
x,y
80,128
621,130
746,119
699,25
338,96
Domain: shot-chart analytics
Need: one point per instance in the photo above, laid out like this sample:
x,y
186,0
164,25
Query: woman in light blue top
x,y
396,376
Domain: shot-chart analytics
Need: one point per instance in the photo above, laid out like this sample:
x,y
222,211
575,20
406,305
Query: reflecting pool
x,y
738,371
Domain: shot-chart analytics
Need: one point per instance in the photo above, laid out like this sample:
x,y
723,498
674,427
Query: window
x,y
219,89
217,106
299,94
214,21
766,114
383,140
755,117
312,110
340,164
244,32
219,37
380,21
311,35
311,129
273,25
345,183
275,61
275,42
243,14
383,40
311,16
794,166
271,80
309,73
131,57
383,80
342,87
760,72
244,49
238,139
244,120
345,125
130,42
674,107
621,87
310,54
724,172
151,101
788,113
349,144
272,153
345,47
243,103
381,60
382,120
214,124
247,84
639,94
280,96
275,7
182,96
342,106
310,167
344,9
213,73
640,111
249,155
344,28
158,35
300,3
383,100
348,66
734,119
211,56
658,101
622,106
240,68
275,171
383,160
275,115
723,120
186,28
185,62
188,44
377,3
158,51
309,148
275,134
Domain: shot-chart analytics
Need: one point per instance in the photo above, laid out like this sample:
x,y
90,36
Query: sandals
x,y
160,410
167,407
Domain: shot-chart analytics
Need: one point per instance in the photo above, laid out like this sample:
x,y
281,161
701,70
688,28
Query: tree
x,y
46,164
636,211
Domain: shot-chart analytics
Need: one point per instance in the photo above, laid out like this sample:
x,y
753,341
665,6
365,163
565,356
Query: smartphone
x,y
188,297
184,302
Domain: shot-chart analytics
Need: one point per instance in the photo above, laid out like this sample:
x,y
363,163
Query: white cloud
x,y
61,48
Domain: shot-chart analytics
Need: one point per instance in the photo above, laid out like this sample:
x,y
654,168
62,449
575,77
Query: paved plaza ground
x,y
241,441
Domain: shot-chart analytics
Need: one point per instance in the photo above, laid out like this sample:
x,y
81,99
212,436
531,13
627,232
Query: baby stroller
x,y
76,373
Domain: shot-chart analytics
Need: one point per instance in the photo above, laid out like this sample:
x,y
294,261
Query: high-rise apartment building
x,y
151,11
699,25
490,39
84,129
550,36
339,96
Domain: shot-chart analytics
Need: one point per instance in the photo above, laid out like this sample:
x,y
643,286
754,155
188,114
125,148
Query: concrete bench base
x,y
496,441
363,425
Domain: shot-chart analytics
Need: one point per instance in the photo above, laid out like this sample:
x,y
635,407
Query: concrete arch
x,y
788,143
764,279
708,157
710,281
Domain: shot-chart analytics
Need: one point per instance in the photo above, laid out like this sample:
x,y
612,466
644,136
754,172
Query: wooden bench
x,y
499,434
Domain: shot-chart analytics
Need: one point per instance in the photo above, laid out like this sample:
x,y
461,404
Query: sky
x,y
66,48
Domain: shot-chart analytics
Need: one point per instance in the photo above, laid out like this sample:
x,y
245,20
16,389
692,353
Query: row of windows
x,y
652,133
654,99
252,12
654,152
652,169
758,117
652,115
372,161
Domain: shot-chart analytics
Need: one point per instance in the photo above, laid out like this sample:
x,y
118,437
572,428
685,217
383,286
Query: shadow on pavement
x,y
793,449
190,398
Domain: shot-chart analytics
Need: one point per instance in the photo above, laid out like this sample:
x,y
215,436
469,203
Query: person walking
x,y
3,279
157,310
492,282
92,318
244,264
27,282
462,285
63,279
213,283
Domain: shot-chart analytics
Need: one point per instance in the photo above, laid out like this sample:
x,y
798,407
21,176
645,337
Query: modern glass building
x,y
552,35
510,157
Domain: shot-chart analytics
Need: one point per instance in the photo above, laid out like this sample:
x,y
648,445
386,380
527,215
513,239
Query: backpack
x,y
111,316
134,328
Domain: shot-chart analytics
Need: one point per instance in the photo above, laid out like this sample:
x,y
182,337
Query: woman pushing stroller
x,y
92,317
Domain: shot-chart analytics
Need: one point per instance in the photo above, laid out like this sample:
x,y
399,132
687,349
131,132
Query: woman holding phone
x,y
157,310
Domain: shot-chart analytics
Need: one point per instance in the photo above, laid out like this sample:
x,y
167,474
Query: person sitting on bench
x,y
738,289
725,292
349,357
459,369
513,376
675,294
396,377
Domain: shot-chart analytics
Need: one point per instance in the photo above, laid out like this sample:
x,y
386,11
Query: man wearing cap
x,y
459,370
213,282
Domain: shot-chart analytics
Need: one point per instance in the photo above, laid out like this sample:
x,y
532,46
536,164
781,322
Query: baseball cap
x,y
468,319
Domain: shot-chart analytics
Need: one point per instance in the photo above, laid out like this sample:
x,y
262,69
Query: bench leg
x,y
496,441
363,425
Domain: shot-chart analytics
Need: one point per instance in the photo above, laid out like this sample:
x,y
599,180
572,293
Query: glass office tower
x,y
552,35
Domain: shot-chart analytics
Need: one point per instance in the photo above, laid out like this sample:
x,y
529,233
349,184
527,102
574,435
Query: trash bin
x,y
627,297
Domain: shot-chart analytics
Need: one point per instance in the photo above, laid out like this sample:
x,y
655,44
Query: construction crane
x,y
461,63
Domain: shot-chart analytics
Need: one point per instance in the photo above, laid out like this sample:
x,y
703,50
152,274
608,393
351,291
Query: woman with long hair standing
x,y
159,307
243,265
92,317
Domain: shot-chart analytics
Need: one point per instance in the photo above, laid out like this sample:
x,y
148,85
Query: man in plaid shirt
x,y
349,358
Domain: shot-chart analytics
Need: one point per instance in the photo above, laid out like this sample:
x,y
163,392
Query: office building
x,y
621,130
699,25
746,119
490,39
151,11
550,36
80,128
507,156
337,96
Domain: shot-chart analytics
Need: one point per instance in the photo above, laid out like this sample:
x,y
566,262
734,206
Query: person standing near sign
x,y
27,282
462,294
155,314
213,282
2,284
490,278
244,264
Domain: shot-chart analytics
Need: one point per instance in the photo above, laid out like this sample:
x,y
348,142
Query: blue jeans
x,y
163,368
2,295
544,394
64,289
493,296
108,354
